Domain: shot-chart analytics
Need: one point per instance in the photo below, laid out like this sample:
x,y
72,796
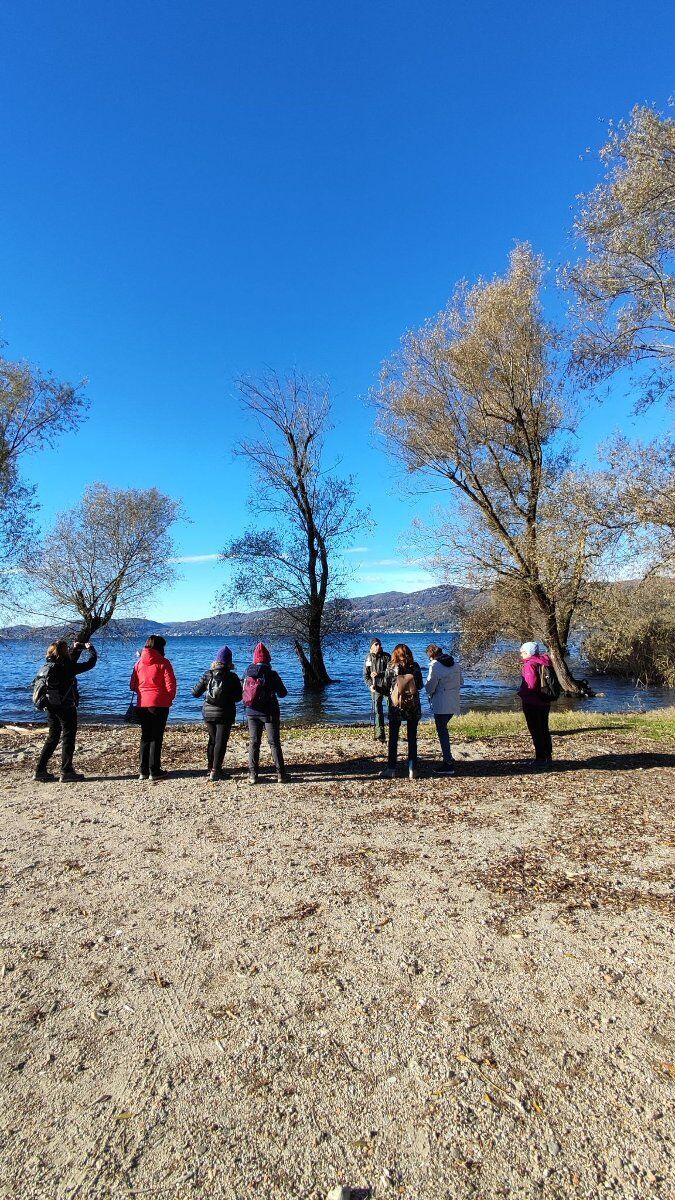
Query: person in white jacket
x,y
442,686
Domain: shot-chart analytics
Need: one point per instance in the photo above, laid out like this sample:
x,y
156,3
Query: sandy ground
x,y
446,988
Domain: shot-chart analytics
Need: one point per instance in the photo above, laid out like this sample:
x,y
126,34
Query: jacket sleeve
x,y
530,680
79,667
199,688
170,679
237,690
417,676
279,685
432,680
133,682
367,671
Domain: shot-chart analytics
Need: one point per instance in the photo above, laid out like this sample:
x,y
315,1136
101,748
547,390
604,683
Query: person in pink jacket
x,y
154,683
536,707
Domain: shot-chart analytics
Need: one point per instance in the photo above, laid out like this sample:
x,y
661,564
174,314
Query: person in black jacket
x,y
374,671
402,667
61,708
262,686
221,688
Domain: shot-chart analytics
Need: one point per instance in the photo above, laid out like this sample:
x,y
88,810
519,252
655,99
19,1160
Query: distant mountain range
x,y
430,610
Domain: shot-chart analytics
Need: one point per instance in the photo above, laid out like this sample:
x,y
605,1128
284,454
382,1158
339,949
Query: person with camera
x,y
62,699
374,671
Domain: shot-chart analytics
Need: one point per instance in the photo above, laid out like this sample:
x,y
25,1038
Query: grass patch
x,y
658,725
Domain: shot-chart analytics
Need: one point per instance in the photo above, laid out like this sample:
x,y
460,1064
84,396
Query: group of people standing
x,y
392,678
397,679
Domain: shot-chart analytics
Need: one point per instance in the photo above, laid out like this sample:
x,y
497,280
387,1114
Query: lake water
x,y
105,690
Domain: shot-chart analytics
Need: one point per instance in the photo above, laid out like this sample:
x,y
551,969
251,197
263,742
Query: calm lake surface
x,y
105,690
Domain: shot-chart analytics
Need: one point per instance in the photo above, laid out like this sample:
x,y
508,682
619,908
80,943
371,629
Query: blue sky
x,y
192,191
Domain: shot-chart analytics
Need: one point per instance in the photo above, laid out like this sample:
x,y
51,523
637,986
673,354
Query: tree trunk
x,y
89,626
314,671
569,685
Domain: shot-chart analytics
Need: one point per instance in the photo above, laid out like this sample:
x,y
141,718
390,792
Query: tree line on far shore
x,y
481,404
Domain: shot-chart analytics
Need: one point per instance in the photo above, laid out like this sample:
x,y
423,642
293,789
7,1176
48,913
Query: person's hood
x,y
446,660
261,654
258,669
151,656
539,660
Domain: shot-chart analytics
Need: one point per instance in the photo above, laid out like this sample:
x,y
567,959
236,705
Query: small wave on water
x,y
105,690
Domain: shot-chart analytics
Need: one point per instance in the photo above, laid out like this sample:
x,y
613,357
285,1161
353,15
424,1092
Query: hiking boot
x,y
445,769
159,774
71,777
388,773
44,777
143,778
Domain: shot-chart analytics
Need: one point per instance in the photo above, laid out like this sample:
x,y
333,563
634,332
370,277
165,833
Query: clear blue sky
x,y
191,191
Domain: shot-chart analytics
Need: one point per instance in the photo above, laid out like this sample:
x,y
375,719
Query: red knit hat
x,y
261,654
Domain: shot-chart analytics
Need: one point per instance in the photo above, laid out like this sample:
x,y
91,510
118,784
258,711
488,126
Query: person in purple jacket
x,y
536,706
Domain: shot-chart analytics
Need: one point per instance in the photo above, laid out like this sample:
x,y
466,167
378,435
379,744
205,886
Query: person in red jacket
x,y
154,683
536,707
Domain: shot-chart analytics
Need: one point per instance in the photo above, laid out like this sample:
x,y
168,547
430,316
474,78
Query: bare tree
x,y
111,551
476,400
625,287
294,566
34,409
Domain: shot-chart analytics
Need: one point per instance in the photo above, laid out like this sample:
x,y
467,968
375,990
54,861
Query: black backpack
x,y
217,690
41,687
549,684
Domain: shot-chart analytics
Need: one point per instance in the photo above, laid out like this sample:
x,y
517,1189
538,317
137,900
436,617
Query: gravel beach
x,y
444,988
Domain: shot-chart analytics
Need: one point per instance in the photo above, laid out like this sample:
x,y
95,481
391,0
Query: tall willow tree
x,y
475,403
625,284
35,409
108,554
294,565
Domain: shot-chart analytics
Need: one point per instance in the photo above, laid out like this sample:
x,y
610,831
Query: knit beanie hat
x,y
224,656
529,648
261,654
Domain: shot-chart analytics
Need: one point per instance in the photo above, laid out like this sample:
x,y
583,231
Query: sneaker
x,y
143,778
44,777
71,777
413,773
159,774
282,777
252,777
445,769
388,773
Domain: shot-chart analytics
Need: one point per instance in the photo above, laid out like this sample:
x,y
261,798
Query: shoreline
x,y
658,722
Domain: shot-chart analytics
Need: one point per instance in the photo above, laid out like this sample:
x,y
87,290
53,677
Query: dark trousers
x,y
219,732
153,724
255,732
537,723
61,723
378,711
441,721
394,730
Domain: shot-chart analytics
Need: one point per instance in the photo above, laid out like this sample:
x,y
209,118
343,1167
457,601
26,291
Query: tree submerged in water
x,y
111,551
294,567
